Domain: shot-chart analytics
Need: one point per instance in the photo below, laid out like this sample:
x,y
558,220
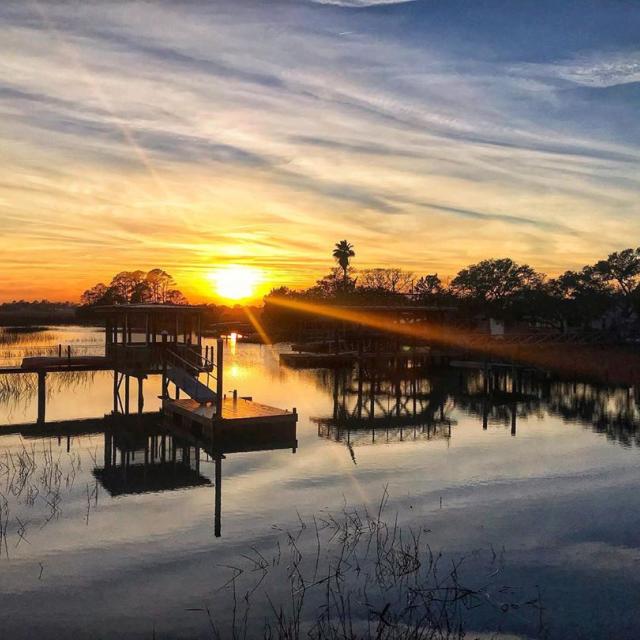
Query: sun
x,y
236,282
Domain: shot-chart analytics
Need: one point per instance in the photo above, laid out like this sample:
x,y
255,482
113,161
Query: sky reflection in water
x,y
558,503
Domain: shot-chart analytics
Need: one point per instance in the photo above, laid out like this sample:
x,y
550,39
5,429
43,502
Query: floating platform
x,y
236,413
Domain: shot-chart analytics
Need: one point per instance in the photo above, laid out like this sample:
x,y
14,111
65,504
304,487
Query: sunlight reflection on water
x,y
560,499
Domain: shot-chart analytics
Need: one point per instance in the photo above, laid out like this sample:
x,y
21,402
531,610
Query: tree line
x,y
606,293
135,287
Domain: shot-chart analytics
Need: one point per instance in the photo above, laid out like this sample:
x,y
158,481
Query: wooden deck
x,y
239,412
42,364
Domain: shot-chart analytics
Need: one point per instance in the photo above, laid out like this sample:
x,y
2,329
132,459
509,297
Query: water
x,y
551,511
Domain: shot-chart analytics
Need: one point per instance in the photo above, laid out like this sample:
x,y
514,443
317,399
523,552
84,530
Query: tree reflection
x,y
383,405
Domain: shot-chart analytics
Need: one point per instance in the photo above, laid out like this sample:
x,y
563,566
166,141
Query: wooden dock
x,y
50,364
238,412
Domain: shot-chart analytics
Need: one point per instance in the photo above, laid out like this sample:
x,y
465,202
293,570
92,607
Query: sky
x,y
430,134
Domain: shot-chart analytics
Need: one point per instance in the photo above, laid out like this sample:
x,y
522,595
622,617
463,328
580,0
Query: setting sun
x,y
235,282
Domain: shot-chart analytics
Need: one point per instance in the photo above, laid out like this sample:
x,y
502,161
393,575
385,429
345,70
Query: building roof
x,y
148,308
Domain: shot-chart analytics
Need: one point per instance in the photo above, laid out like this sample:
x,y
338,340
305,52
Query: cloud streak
x,y
140,143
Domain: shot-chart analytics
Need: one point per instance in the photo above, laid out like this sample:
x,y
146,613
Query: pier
x,y
146,339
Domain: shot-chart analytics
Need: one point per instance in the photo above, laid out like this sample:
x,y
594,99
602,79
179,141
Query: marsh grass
x,y
20,390
358,575
35,475
24,342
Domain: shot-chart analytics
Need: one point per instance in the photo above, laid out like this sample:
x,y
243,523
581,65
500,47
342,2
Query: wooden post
x,y
485,401
218,496
42,395
126,394
199,329
219,376
360,375
115,391
107,449
140,395
165,382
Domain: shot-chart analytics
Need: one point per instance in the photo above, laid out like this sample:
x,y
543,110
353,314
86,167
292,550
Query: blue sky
x,y
430,134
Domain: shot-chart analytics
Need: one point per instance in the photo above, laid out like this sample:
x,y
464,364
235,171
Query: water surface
x,y
546,504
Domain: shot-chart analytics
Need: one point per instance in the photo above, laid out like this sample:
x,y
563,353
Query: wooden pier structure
x,y
147,339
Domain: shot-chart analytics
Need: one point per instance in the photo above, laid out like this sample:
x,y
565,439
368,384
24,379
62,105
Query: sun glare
x,y
235,282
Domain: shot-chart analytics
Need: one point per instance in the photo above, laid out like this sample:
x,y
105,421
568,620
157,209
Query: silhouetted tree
x,y
125,284
95,295
495,280
155,287
581,296
343,252
428,287
622,268
160,285
389,280
332,286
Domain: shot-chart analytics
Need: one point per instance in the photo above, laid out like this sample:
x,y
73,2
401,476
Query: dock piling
x,y
42,396
219,376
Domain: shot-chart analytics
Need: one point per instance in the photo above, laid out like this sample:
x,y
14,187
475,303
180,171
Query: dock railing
x,y
12,357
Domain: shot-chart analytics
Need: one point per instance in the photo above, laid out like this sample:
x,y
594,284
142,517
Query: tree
x,y
125,285
160,285
387,280
95,295
623,268
581,296
495,280
428,287
334,284
135,287
343,252
174,296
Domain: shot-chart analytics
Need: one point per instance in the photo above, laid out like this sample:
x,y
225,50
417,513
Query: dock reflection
x,y
146,453
163,456
382,405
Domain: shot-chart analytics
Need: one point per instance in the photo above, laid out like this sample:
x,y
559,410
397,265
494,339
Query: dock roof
x,y
148,308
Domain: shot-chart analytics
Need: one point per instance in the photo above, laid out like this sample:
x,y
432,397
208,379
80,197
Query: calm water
x,y
550,511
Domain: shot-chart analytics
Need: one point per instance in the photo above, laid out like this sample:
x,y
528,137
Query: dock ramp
x,y
190,385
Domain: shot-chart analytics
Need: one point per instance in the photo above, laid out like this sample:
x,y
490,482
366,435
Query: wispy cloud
x,y
360,3
262,133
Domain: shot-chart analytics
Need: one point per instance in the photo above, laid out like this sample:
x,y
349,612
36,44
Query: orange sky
x,y
260,136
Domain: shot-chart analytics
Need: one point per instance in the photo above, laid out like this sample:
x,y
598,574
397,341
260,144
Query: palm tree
x,y
342,252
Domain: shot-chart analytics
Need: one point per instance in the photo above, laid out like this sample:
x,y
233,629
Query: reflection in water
x,y
20,390
395,404
91,509
142,462
145,454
